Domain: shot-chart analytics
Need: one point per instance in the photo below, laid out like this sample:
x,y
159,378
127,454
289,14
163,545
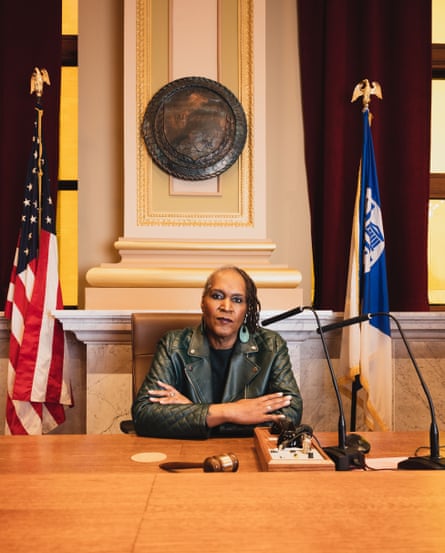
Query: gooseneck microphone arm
x,y
356,384
341,417
433,461
345,322
284,315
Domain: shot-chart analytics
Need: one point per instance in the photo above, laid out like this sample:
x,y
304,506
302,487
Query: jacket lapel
x,y
242,368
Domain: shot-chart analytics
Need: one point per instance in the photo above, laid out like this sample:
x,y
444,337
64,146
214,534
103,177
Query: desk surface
x,y
86,494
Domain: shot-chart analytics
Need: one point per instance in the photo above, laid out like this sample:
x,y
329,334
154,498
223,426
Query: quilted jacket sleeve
x,y
169,421
282,379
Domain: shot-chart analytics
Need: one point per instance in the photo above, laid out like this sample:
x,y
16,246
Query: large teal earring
x,y
244,334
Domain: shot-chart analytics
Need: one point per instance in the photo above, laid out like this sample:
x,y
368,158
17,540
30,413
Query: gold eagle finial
x,y
363,88
39,77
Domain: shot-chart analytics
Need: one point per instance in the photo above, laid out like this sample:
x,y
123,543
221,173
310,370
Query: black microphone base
x,y
422,463
345,459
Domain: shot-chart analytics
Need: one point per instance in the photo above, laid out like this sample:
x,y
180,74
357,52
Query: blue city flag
x,y
374,280
366,350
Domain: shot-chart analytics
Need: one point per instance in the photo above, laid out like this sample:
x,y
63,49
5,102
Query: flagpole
x,y
38,379
39,78
363,89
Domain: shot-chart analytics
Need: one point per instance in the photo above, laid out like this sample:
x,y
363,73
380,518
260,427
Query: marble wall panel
x,y
108,387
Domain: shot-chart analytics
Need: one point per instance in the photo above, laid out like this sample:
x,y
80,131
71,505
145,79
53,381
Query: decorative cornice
x,y
182,277
107,327
195,245
114,327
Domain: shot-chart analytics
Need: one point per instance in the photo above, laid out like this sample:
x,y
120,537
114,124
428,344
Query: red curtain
x,y
30,36
341,43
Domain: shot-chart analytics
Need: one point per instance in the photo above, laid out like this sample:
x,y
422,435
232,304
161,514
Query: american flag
x,y
38,386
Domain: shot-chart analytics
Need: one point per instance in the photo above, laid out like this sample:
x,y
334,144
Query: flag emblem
x,y
374,242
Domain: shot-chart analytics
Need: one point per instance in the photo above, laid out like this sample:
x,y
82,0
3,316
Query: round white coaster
x,y
148,457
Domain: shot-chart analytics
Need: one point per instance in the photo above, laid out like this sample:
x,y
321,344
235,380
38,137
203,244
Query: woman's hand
x,y
249,411
167,395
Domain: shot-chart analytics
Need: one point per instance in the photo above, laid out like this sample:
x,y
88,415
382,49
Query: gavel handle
x,y
175,466
227,462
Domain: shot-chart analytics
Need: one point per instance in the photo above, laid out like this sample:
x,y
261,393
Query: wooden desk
x,y
85,494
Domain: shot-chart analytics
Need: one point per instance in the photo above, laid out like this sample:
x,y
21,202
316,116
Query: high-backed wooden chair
x,y
146,331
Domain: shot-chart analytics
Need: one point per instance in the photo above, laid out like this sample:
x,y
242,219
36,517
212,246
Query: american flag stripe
x,y
34,384
38,386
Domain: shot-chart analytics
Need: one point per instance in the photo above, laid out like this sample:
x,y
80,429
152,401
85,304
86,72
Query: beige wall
x,y
101,141
288,221
100,133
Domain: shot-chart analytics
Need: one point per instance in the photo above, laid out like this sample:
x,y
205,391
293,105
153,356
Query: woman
x,y
226,376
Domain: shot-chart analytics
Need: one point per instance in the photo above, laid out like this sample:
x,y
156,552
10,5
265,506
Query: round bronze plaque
x,y
194,128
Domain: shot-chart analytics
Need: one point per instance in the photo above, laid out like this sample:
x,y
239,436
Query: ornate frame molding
x,y
146,173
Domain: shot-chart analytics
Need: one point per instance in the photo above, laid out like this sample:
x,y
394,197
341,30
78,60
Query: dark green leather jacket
x,y
259,367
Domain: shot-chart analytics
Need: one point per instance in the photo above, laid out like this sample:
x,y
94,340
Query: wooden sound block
x,y
288,459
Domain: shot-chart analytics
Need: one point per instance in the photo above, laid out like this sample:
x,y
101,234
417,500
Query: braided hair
x,y
253,303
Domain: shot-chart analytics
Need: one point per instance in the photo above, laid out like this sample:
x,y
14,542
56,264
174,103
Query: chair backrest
x,y
146,331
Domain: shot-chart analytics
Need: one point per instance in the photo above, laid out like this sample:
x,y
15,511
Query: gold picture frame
x,y
232,203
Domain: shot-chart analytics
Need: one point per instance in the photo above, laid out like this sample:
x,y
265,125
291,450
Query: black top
x,y
220,362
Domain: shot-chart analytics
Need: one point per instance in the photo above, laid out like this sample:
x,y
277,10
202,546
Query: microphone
x,y
345,322
227,462
282,316
428,462
345,457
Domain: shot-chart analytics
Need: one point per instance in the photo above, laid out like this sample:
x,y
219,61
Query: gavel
x,y
226,462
